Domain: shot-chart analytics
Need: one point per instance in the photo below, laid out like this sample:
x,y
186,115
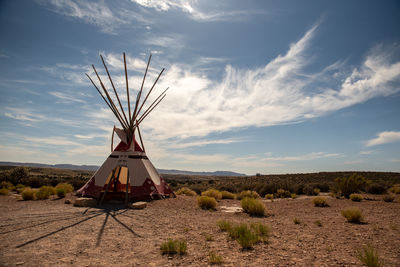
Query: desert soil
x,y
51,233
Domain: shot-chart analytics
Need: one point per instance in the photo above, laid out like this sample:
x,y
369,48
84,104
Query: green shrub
x,y
20,188
248,194
282,193
176,246
243,235
227,195
214,258
45,192
388,198
356,197
4,191
353,215
61,192
261,230
352,184
293,196
7,185
67,187
206,202
212,193
370,257
316,191
186,191
224,226
18,174
296,221
395,189
28,194
319,202
253,206
269,196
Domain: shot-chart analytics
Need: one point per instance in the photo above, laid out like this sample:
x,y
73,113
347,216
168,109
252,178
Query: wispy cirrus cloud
x,y
181,145
190,8
21,114
309,156
66,98
99,13
384,138
278,93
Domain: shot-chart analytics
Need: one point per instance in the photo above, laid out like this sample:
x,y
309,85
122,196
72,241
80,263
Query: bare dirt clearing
x,y
49,232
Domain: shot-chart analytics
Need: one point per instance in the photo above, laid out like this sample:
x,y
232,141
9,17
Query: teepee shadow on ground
x,y
110,212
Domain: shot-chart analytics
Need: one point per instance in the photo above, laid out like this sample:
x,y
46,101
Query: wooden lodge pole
x,y
151,89
140,137
127,92
148,111
115,91
119,117
140,92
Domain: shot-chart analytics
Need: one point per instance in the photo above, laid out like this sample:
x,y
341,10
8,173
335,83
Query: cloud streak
x,y
384,138
278,93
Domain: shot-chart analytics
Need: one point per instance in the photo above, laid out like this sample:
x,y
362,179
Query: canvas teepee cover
x,y
127,172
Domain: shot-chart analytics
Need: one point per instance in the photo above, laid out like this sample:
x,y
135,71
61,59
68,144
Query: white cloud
x,y
278,93
23,114
384,138
66,98
310,156
203,143
189,7
94,12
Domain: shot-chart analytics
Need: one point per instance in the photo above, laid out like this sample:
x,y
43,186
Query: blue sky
x,y
255,86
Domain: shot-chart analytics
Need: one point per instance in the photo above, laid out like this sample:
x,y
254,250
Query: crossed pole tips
x,y
129,121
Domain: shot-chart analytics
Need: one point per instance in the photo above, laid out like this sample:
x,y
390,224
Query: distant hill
x,y
95,167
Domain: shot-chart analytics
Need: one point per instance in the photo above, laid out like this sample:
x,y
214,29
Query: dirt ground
x,y
51,233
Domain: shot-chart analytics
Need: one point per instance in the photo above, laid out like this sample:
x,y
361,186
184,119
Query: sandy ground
x,y
51,233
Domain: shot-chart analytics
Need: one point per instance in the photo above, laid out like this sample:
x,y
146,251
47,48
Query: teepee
x,y
127,173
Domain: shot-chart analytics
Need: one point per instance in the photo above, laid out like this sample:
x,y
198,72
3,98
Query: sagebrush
x,y
353,215
212,193
252,206
207,203
320,202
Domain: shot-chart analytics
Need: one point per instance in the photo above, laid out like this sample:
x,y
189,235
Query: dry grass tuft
x,y
356,197
248,194
370,257
253,207
67,187
172,247
269,196
207,203
227,195
4,191
186,191
224,226
214,258
319,202
28,194
353,215
212,193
